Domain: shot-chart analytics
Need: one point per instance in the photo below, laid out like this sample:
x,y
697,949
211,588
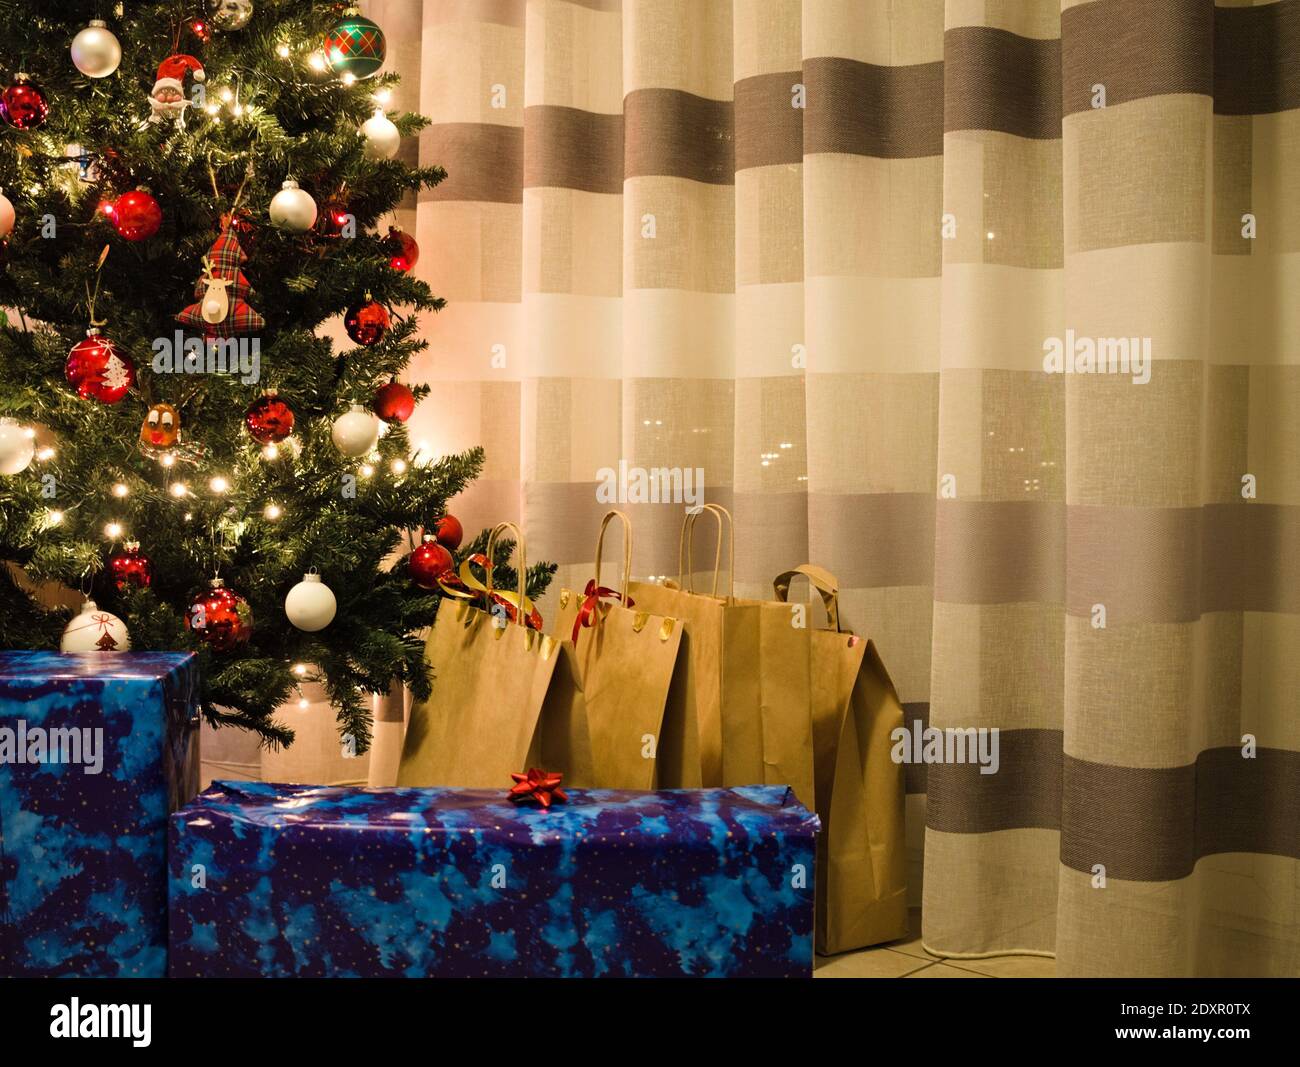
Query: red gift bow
x,y
541,786
592,597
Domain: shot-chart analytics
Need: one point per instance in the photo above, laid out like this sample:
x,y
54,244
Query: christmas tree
x,y
192,190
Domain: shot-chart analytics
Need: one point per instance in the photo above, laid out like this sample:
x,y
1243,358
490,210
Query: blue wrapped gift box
x,y
279,880
96,749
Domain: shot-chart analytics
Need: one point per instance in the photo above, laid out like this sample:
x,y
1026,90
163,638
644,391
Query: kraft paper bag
x,y
861,856
785,702
505,697
632,671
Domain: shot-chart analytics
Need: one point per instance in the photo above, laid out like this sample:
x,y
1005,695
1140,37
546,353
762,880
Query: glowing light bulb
x,y
29,432
283,51
227,95
384,96
349,78
45,454
399,466
120,490
317,61
303,704
179,489
113,531
300,669
273,512
168,460
271,451
366,471
219,484
55,517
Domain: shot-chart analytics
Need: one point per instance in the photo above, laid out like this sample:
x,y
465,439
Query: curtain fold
x,y
819,250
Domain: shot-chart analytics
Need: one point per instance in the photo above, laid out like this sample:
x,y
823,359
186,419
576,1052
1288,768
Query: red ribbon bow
x,y
540,786
591,598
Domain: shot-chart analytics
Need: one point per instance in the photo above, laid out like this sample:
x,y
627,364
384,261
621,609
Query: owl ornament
x,y
161,430
222,293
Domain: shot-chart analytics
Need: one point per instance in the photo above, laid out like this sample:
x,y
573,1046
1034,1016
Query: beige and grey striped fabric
x,y
815,248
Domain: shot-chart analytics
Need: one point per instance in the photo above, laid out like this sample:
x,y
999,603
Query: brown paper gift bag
x,y
505,697
813,709
861,858
632,672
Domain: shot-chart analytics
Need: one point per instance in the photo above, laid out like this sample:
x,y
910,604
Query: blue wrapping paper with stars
x,y
96,749
311,881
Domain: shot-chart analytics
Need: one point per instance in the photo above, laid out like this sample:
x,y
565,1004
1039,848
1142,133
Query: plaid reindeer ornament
x,y
222,293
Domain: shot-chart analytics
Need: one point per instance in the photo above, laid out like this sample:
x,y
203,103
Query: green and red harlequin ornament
x,y
355,45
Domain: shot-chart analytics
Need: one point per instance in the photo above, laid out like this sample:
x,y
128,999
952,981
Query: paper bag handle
x,y
820,579
627,548
521,549
686,549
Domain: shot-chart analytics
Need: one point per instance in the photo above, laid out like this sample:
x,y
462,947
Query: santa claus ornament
x,y
94,630
98,369
167,100
222,293
161,430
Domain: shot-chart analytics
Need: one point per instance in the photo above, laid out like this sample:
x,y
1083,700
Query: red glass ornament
x,y
269,419
220,617
97,368
129,567
394,402
23,104
448,531
404,251
428,563
368,322
136,215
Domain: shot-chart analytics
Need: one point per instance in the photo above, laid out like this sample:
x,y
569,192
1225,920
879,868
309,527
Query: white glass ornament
x,y
311,604
229,15
7,215
17,447
293,208
95,51
95,631
382,137
355,432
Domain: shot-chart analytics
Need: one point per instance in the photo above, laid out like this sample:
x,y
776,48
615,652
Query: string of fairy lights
x,y
353,49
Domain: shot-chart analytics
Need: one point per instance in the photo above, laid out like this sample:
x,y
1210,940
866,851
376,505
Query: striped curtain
x,y
820,250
